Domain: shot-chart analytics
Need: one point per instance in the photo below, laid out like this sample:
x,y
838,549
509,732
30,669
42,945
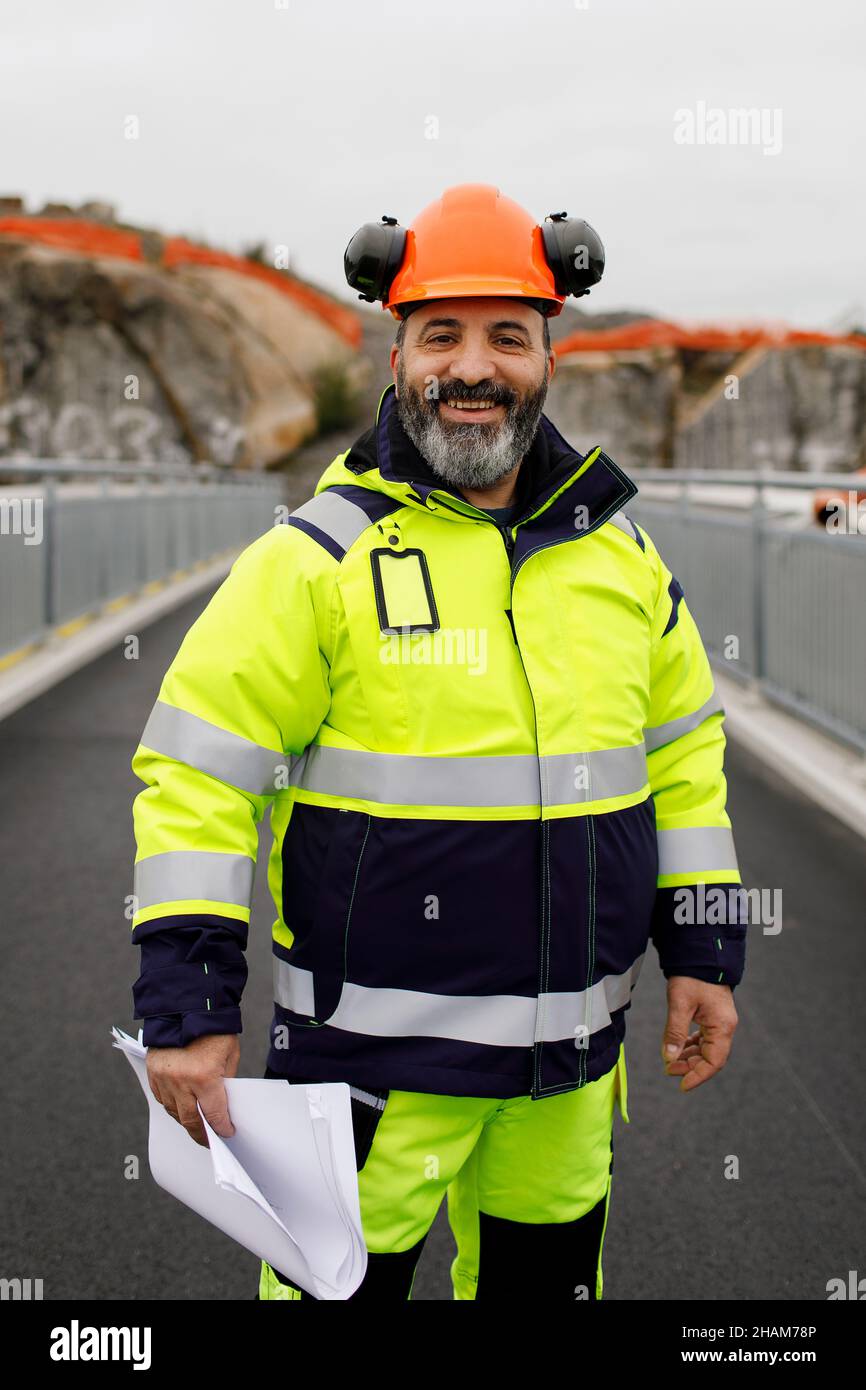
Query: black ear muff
x,y
373,256
574,252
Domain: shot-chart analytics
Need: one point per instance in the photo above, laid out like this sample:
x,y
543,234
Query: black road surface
x,y
787,1112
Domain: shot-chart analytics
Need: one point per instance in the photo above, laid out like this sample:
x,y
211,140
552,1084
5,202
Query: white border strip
x,y
827,772
58,657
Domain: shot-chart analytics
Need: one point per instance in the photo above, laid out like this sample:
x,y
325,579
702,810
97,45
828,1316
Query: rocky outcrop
x,y
791,406
123,356
801,409
626,402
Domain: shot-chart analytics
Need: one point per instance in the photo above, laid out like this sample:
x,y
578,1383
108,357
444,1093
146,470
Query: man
x,y
475,699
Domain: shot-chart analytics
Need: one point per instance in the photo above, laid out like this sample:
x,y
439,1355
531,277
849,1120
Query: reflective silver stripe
x,y
661,734
178,734
293,988
378,1102
406,780
499,1020
572,777
621,520
183,874
339,518
565,1015
696,851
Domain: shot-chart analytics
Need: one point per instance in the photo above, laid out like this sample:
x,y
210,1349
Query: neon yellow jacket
x,y
494,765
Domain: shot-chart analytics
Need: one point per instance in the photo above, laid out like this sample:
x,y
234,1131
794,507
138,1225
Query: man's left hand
x,y
697,1057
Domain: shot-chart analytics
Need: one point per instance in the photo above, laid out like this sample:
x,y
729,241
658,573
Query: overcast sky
x,y
295,125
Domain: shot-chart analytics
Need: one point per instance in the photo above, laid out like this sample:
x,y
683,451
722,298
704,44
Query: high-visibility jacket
x,y
493,758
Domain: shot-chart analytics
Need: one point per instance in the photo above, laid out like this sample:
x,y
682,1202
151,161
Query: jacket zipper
x,y
509,542
504,531
543,947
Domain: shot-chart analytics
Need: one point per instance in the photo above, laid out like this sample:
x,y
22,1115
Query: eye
x,y
513,342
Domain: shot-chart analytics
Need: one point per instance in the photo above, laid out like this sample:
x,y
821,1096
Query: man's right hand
x,y
181,1076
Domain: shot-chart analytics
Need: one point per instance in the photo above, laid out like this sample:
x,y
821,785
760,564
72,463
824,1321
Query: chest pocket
x,y
404,593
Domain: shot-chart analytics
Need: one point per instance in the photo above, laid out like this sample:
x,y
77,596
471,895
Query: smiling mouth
x,y
483,408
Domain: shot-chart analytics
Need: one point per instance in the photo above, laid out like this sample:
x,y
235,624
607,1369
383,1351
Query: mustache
x,y
485,391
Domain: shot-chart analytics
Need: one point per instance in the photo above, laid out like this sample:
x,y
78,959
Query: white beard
x,y
473,456
468,456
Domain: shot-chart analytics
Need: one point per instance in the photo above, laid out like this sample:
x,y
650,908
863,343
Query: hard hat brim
x,y
474,289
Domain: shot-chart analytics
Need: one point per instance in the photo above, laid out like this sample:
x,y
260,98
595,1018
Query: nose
x,y
472,362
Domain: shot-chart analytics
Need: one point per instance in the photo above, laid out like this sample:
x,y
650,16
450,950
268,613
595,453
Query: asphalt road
x,y
789,1105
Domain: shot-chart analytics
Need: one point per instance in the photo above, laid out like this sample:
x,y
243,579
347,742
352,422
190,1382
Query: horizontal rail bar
x,y
756,477
130,469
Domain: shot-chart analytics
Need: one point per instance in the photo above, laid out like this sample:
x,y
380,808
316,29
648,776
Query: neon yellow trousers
x,y
524,1180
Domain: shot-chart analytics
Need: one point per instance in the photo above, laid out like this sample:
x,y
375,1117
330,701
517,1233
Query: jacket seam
x,y
590,967
545,937
351,904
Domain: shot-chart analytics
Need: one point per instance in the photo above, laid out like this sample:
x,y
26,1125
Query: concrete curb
x,y
59,656
831,775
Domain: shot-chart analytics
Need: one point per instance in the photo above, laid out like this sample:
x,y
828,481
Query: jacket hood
x,y
385,460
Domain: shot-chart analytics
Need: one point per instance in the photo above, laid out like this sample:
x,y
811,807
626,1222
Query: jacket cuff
x,y
176,1030
193,973
701,933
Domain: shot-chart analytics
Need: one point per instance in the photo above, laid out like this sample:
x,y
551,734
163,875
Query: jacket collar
x,y
554,479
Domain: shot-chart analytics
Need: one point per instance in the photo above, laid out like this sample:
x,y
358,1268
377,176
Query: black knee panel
x,y
527,1261
388,1278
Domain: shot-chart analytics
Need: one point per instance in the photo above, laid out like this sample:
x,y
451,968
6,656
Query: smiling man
x,y
469,861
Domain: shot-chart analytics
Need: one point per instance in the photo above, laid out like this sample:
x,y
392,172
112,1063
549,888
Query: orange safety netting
x,y
654,333
93,239
75,234
179,251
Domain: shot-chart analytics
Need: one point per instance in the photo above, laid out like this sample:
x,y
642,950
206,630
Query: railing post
x,y
683,500
104,528
140,566
759,523
49,540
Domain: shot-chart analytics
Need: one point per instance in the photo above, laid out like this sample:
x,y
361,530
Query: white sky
x,y
296,125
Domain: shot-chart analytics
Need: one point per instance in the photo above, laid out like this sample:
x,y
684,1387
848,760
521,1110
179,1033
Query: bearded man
x,y
469,859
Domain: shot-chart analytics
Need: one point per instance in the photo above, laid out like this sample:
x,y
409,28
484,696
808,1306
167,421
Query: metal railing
x,y
77,537
779,599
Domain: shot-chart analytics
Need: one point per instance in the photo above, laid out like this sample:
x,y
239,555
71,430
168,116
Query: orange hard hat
x,y
474,241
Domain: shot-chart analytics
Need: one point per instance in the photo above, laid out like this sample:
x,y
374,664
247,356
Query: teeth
x,y
470,405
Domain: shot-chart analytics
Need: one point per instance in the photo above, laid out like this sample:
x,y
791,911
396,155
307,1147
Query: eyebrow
x,y
456,323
